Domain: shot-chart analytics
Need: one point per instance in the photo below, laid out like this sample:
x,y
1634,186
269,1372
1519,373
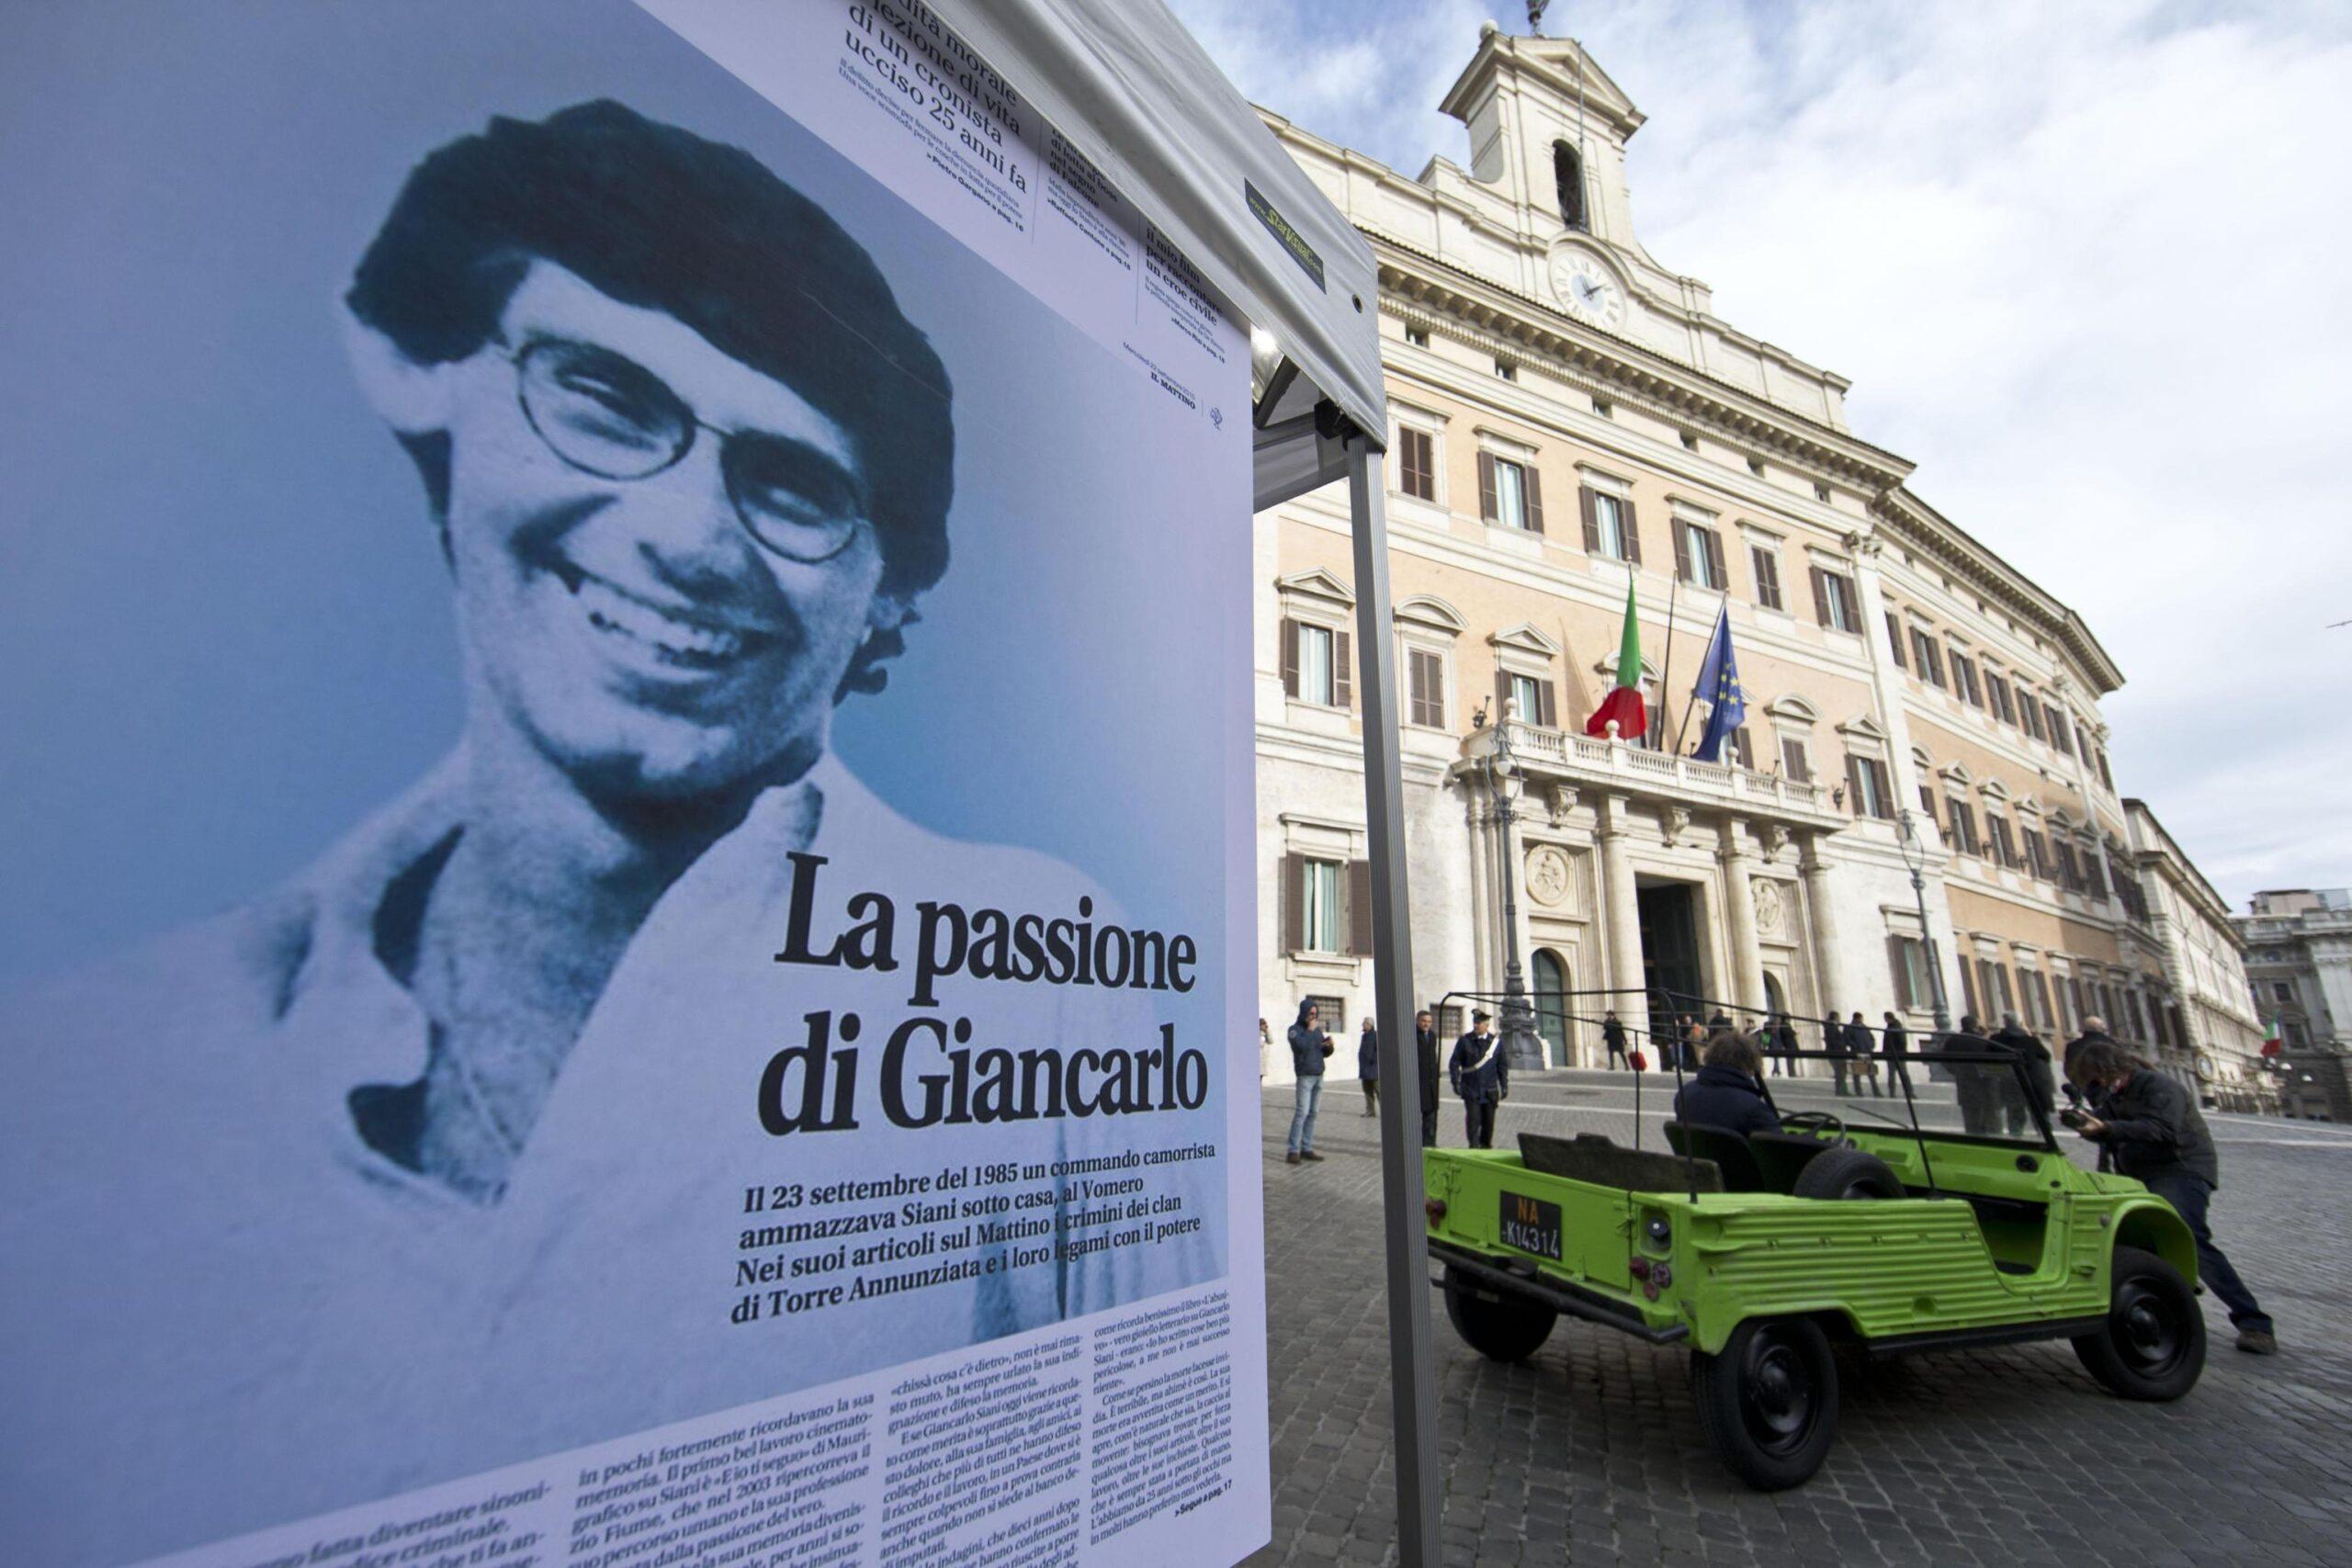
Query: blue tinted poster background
x,y
468,1095
217,584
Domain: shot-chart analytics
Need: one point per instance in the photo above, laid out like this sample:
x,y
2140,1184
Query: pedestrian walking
x,y
1894,1045
1613,1035
1859,1047
1481,1077
1833,1041
1309,1047
1785,1034
1425,1059
2018,1089
1687,1038
2157,1136
1368,1066
1973,1083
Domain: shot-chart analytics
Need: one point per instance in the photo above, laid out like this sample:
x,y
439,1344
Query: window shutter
x,y
1681,549
1716,570
1630,528
1767,577
1586,509
1853,784
1894,958
1549,716
1486,507
1359,907
1532,484
1289,657
1894,640
1968,991
1342,679
1820,595
1294,903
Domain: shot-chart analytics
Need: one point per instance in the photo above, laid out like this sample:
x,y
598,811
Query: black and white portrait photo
x,y
631,552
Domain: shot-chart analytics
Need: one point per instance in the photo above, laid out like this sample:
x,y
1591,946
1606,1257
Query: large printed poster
x,y
624,872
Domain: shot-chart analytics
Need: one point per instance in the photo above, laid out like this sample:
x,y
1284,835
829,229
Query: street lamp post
x,y
1522,1047
1914,860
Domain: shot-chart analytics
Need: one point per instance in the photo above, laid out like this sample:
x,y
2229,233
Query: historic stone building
x,y
2299,966
1571,418
2213,1032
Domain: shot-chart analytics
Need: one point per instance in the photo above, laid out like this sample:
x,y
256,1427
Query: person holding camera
x,y
2155,1133
1309,1048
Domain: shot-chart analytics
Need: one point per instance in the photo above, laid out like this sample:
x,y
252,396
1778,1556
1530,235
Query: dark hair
x,y
661,218
2105,1061
1727,1048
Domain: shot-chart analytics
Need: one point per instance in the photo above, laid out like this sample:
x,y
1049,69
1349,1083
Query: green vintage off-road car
x,y
1759,1251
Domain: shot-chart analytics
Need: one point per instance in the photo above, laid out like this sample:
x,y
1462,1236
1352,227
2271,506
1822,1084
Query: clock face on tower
x,y
1587,290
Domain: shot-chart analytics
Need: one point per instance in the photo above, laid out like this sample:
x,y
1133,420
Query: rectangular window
x,y
1962,820
2069,877
1509,495
1507,370
1699,555
1449,1024
2094,875
2037,857
1908,957
1418,336
1315,667
1866,783
1894,640
1740,752
1796,760
1425,677
1324,922
1314,664
1609,526
1926,659
1998,690
1533,695
1963,680
1332,1015
2030,714
2059,735
2104,776
2005,848
1416,463
1834,602
1767,576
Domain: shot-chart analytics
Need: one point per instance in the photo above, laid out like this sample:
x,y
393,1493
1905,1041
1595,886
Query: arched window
x,y
1568,169
1551,1006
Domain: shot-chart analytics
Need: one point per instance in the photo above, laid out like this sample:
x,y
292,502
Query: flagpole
x,y
1666,669
1684,730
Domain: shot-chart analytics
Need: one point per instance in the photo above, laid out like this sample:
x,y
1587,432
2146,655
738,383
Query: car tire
x,y
1768,1401
2154,1343
1504,1329
1847,1173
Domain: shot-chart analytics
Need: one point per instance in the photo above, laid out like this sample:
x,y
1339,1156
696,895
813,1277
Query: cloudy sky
x,y
2087,264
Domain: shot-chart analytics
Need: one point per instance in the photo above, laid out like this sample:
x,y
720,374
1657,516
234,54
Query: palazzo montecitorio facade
x,y
1568,417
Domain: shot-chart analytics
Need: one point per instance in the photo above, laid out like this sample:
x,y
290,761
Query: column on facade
x,y
1739,912
1622,913
1828,964
1484,969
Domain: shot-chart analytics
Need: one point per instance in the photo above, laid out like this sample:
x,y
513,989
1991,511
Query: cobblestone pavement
x,y
1590,1451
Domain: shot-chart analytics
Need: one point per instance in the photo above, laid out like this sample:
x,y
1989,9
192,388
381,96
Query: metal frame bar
x,y
1412,1382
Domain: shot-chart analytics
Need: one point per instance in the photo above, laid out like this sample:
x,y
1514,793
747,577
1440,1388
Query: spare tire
x,y
1846,1172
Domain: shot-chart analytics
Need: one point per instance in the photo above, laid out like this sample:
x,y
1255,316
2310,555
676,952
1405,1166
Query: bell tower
x,y
1548,129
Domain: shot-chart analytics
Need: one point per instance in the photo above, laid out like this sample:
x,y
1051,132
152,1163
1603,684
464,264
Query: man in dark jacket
x,y
1974,1083
1613,1035
2157,1136
1368,1064
1727,1091
1425,1058
2019,1092
1784,1035
2093,1033
1481,1077
1308,1046
1833,1041
1863,1053
1894,1045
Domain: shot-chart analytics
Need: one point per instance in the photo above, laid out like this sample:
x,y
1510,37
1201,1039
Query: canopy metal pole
x,y
1412,1387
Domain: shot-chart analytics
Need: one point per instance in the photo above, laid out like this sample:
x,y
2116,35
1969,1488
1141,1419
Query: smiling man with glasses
x,y
435,1160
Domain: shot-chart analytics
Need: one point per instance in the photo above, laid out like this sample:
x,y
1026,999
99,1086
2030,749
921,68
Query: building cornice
x,y
1490,316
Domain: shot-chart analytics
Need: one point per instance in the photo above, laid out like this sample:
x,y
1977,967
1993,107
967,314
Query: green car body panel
x,y
1888,1269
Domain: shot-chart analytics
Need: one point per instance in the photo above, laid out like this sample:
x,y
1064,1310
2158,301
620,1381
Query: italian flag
x,y
1623,702
2272,1044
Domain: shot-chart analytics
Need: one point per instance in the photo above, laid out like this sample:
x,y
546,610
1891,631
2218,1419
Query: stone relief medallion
x,y
1769,912
1547,875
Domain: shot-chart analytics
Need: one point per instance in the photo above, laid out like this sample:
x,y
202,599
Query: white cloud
x,y
2085,264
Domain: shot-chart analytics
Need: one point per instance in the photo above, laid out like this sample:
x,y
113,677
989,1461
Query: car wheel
x,y
1499,1328
2154,1343
1847,1173
1768,1402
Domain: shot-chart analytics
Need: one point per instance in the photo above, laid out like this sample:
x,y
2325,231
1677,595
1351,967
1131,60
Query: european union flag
x,y
1719,684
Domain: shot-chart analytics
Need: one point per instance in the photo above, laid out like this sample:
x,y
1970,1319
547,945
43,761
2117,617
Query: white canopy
x,y
1126,82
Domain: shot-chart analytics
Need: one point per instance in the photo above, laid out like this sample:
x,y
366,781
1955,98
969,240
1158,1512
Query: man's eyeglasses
x,y
608,416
